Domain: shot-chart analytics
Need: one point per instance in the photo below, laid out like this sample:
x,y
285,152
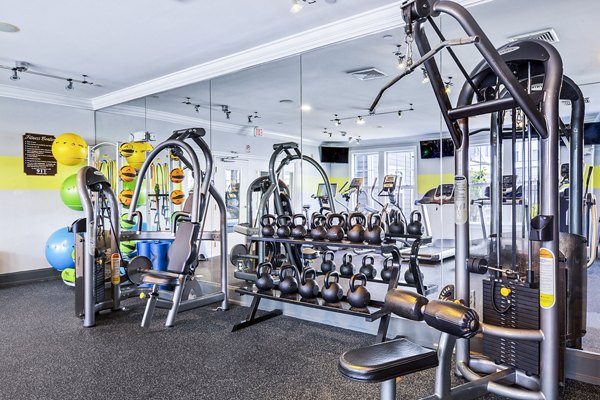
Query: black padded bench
x,y
384,362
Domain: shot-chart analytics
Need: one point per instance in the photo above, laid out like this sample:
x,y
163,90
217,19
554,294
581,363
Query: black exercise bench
x,y
384,362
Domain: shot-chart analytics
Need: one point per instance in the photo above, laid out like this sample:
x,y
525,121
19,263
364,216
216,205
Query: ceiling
x,y
318,77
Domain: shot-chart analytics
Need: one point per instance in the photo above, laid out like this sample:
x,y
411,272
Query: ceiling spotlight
x,y
400,114
85,81
70,84
336,120
187,100
225,109
197,108
401,58
343,133
425,76
358,139
360,120
350,139
327,133
15,76
249,119
448,85
296,6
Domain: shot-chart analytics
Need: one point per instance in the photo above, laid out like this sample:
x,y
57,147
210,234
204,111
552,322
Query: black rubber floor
x,y
45,353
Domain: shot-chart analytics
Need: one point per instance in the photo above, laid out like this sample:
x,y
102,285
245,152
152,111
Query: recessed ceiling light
x,y
9,28
306,107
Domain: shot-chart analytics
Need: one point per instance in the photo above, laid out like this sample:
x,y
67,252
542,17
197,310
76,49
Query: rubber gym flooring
x,y
45,353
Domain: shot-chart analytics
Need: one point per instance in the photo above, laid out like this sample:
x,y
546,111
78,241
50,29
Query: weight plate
x,y
237,251
136,269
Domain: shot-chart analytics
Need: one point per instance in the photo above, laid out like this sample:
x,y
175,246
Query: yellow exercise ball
x,y
138,153
69,149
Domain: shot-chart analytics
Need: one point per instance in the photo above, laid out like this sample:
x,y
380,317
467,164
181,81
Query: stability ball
x,y
59,247
69,194
69,149
137,153
143,192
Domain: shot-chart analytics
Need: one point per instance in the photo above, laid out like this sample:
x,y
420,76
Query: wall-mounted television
x,y
337,155
591,133
437,148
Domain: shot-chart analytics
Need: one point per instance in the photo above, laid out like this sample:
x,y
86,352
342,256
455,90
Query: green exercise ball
x,y
69,193
143,194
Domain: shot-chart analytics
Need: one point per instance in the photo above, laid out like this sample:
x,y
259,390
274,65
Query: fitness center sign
x,y
37,154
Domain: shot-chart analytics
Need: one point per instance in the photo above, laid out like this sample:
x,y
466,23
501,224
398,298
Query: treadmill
x,y
435,204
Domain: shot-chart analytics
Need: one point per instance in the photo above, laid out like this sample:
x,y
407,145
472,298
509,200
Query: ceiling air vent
x,y
366,74
547,35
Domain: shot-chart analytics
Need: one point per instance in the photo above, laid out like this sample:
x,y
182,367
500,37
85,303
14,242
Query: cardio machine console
x,y
444,192
390,183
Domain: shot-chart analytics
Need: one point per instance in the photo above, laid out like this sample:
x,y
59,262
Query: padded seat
x,y
388,360
159,280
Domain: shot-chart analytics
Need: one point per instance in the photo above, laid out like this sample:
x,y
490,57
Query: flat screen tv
x,y
337,155
437,148
591,133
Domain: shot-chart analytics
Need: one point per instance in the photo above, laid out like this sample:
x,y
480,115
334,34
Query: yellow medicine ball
x,y
69,149
127,173
138,155
125,197
177,175
177,196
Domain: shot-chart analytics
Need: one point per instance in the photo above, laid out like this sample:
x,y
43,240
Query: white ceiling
x,y
318,77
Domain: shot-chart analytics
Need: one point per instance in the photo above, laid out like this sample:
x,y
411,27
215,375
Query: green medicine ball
x,y
127,247
69,194
127,224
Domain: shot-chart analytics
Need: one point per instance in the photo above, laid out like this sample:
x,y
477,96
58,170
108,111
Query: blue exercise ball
x,y
59,247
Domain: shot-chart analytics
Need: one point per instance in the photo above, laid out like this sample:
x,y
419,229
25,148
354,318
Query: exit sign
x,y
258,132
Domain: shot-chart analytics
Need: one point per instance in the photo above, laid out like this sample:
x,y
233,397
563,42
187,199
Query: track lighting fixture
x,y
361,119
252,117
448,85
343,133
23,67
197,108
401,58
187,101
425,76
225,109
327,133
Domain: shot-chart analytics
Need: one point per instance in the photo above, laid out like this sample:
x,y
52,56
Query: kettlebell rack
x,y
381,314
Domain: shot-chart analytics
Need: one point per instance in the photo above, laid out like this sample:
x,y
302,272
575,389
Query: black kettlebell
x,y
347,268
309,288
267,222
318,230
396,225
415,227
387,271
374,233
288,283
332,292
264,280
346,225
299,229
284,226
356,233
335,233
368,269
409,277
328,265
358,295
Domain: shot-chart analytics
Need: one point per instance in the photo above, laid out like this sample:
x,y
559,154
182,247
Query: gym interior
x,y
312,199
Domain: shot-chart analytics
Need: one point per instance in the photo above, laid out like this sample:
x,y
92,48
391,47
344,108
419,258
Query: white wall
x,y
28,215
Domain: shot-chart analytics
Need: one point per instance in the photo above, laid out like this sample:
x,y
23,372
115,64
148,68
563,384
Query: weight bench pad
x,y
383,361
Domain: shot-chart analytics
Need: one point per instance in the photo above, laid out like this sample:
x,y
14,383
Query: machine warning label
x,y
547,279
461,207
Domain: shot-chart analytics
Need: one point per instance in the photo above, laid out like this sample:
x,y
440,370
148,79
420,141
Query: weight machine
x,y
502,83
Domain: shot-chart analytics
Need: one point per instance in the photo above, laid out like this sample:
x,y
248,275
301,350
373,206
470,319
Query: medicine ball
x,y
177,196
125,197
127,173
177,175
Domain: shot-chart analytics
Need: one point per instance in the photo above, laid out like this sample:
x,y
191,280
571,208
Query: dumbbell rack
x,y
388,247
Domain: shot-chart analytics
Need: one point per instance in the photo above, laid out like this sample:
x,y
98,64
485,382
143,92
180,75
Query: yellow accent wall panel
x,y
12,176
426,182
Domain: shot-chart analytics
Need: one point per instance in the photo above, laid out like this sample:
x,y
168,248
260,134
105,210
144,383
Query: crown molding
x,y
156,115
44,97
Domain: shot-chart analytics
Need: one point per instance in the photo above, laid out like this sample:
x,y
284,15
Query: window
x,y
402,163
366,166
480,162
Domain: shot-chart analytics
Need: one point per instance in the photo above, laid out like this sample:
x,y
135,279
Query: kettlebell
x,y
396,225
328,265
368,270
332,292
284,226
358,295
347,268
318,230
409,277
346,225
288,283
299,229
267,222
386,272
415,227
374,233
335,233
356,233
264,279
309,288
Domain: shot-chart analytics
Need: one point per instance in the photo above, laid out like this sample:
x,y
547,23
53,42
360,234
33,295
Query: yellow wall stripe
x,y
426,182
12,176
